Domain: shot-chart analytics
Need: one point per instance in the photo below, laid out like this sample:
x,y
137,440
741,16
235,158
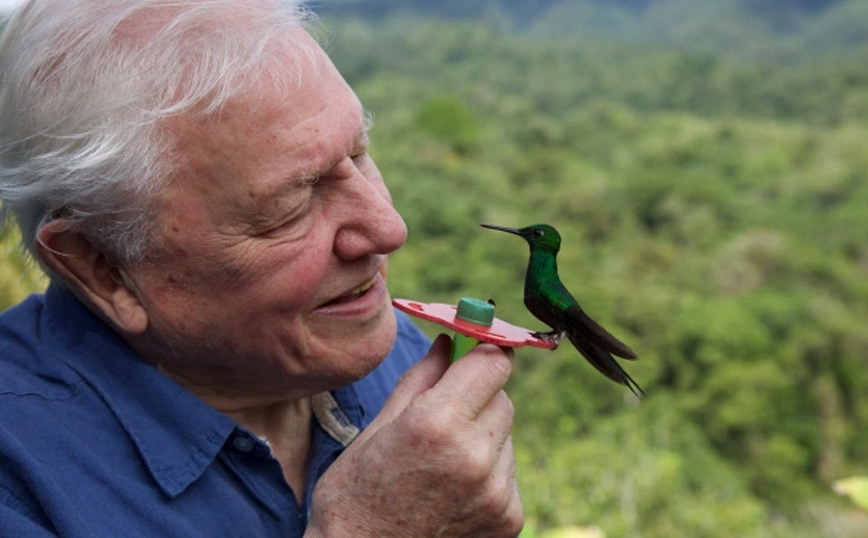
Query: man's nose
x,y
371,223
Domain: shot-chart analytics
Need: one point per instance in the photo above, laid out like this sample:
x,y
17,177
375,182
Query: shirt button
x,y
242,444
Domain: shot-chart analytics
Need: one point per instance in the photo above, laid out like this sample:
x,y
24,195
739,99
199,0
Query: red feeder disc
x,y
500,333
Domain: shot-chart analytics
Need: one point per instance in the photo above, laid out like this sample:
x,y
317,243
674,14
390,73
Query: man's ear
x,y
90,275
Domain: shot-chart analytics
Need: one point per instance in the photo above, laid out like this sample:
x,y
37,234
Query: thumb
x,y
418,379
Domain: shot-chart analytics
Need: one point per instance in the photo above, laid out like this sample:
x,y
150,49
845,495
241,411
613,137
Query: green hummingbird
x,y
550,301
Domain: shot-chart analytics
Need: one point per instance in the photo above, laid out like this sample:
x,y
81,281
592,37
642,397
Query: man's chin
x,y
364,349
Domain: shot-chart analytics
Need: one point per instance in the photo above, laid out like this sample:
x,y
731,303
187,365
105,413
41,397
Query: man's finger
x,y
421,377
477,377
496,418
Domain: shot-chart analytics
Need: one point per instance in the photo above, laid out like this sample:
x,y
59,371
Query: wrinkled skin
x,y
438,461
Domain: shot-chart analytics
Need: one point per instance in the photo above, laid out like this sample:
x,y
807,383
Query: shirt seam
x,y
73,389
12,500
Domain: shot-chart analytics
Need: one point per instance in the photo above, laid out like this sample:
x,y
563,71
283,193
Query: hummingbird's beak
x,y
501,228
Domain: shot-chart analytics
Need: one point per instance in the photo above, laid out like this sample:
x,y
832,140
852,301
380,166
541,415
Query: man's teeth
x,y
364,287
355,293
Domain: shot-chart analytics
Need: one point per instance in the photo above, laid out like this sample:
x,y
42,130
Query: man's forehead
x,y
294,126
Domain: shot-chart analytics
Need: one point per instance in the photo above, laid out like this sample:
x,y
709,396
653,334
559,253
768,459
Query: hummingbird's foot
x,y
552,337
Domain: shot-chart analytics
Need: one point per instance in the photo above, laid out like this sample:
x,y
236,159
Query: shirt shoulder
x,y
410,342
410,346
28,368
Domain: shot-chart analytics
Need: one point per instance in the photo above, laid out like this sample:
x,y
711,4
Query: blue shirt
x,y
95,442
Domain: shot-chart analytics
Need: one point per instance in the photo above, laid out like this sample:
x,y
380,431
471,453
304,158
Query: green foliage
x,y
856,488
18,276
713,215
779,29
450,122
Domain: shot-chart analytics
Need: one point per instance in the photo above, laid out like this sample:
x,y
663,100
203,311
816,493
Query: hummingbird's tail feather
x,y
603,361
579,323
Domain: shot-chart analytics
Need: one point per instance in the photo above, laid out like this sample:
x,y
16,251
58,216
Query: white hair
x,y
86,85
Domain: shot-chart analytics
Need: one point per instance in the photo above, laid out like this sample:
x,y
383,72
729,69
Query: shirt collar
x,y
177,434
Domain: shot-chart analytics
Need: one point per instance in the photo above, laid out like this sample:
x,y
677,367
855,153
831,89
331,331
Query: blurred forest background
x,y
706,163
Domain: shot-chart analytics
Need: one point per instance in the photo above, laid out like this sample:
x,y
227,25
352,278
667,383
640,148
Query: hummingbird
x,y
550,301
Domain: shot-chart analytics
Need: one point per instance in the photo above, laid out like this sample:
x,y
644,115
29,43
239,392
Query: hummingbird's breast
x,y
542,311
543,290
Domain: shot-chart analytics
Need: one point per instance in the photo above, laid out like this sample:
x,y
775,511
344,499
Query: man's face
x,y
274,237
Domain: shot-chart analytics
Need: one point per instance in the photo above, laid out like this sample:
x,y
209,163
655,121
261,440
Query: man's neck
x,y
286,427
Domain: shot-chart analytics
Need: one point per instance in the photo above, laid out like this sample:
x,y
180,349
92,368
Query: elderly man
x,y
217,354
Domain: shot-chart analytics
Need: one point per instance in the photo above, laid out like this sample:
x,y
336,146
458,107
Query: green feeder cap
x,y
475,311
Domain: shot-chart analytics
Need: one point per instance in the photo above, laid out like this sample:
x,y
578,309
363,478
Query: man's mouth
x,y
355,293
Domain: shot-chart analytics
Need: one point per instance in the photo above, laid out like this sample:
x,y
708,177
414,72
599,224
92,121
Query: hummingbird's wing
x,y
578,323
604,362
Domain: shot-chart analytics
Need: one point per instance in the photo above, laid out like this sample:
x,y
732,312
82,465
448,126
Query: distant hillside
x,y
527,9
760,28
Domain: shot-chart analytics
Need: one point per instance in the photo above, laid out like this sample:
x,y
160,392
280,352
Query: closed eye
x,y
360,158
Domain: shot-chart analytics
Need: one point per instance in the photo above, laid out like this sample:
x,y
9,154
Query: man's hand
x,y
437,461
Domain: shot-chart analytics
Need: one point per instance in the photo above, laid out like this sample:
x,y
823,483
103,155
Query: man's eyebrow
x,y
309,178
367,125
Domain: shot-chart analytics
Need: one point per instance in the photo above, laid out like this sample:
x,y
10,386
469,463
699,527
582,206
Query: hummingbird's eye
x,y
539,233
